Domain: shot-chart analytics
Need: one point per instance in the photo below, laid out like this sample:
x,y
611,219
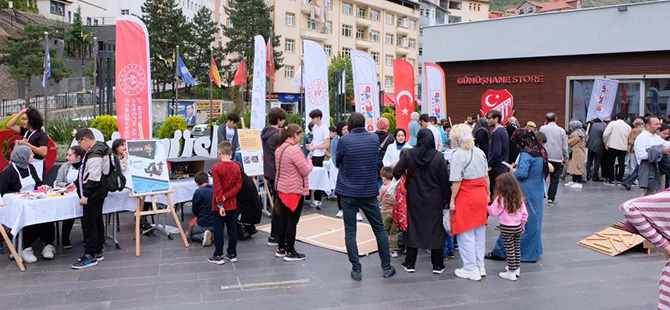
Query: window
x,y
521,12
374,36
455,5
389,19
57,8
88,21
360,12
530,10
329,4
288,72
125,12
411,61
328,49
95,22
388,81
290,45
400,42
412,24
346,8
421,12
420,32
374,15
311,24
375,56
388,60
454,19
420,51
360,34
420,69
346,52
346,31
329,27
412,43
290,19
389,39
470,6
230,23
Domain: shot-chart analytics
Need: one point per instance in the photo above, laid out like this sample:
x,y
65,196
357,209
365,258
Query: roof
x,y
555,5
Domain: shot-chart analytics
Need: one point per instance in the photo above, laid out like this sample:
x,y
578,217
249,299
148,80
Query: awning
x,y
389,99
289,98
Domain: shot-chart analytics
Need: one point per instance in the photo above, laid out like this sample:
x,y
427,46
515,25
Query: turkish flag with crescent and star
x,y
403,76
500,100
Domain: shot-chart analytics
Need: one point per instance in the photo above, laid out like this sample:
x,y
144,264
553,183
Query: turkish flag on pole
x,y
270,60
241,75
403,76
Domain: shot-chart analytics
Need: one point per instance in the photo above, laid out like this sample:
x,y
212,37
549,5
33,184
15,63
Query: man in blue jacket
x,y
357,185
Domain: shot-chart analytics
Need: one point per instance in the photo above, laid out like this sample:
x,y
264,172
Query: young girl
x,y
510,209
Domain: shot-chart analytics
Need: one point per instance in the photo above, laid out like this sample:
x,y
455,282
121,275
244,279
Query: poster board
x,y
252,151
611,241
186,109
148,167
205,111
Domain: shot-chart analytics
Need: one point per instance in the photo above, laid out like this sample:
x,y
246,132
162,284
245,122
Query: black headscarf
x,y
424,151
527,142
395,135
481,123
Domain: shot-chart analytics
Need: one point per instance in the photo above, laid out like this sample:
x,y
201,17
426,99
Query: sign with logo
x,y
252,151
316,81
500,100
366,91
503,79
602,99
435,90
148,168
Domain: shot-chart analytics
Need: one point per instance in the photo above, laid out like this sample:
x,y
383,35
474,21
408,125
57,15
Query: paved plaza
x,y
169,276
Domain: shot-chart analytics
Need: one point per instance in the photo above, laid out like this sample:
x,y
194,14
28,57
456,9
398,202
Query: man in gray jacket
x,y
557,152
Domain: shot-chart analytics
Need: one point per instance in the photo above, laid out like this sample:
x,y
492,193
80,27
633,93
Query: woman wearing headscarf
x,y
385,139
577,145
470,195
68,173
512,126
482,135
413,127
428,190
392,154
20,176
530,171
342,130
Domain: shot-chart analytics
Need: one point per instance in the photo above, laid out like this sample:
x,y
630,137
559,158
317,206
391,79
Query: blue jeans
x,y
448,245
369,207
633,177
230,221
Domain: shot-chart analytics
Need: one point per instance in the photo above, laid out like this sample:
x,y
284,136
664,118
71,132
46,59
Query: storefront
x,y
548,62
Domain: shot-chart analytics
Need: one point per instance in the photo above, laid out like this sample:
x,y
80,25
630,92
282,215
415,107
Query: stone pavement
x,y
169,276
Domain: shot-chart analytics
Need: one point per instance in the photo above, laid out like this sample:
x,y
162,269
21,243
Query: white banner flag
x,y
258,90
435,91
366,91
602,99
316,81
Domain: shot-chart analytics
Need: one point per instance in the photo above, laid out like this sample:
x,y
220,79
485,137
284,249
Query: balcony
x,y
403,30
315,35
361,21
363,43
401,50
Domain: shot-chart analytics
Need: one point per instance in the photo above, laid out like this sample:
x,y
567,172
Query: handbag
x,y
275,196
446,220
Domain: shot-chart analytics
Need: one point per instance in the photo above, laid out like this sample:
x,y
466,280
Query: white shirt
x,y
392,155
437,136
616,135
644,141
230,134
319,136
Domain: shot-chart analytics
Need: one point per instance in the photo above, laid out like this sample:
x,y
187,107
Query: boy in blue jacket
x,y
202,209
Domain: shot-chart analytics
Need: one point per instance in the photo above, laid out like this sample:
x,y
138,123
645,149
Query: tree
x,y
249,18
203,33
21,5
338,64
167,27
24,55
77,38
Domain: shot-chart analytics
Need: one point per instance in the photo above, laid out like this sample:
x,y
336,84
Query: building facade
x,y
468,10
555,72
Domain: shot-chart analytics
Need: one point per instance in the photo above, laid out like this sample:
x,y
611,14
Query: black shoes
x,y
407,267
272,242
492,256
293,256
356,275
388,272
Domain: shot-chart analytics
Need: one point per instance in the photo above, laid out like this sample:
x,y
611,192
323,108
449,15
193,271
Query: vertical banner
x,y
133,79
366,90
435,90
602,99
258,90
403,76
316,81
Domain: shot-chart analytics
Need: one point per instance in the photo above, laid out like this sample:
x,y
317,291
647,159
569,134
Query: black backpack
x,y
115,180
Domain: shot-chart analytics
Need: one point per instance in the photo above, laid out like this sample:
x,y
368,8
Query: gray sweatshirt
x,y
557,142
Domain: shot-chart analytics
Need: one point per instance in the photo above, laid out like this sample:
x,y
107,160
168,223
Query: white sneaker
x,y
569,183
207,238
482,271
359,217
507,275
576,185
339,214
394,254
517,272
28,256
48,252
470,275
316,204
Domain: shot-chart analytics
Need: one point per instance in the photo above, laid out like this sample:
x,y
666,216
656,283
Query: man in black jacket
x,y
270,137
498,147
92,192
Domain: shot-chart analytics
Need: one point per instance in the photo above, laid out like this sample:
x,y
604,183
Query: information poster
x,y
206,111
148,168
186,109
252,151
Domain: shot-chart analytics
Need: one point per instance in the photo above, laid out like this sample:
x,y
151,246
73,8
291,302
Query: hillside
x,y
497,5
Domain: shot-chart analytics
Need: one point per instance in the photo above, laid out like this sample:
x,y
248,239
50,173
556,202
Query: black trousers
x,y
288,222
44,231
435,257
577,178
93,227
492,181
317,162
230,223
274,217
67,229
593,162
554,179
620,157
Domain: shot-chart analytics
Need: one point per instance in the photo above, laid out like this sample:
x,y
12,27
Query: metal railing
x,y
55,102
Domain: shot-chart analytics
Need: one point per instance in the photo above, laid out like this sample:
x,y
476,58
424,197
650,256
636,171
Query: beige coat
x,y
577,146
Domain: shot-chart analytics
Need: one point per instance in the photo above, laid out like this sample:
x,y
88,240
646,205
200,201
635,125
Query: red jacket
x,y
227,183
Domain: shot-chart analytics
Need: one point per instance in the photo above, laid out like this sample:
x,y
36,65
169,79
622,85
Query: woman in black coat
x,y
428,190
482,135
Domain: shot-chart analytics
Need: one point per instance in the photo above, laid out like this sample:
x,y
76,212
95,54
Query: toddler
x,y
386,202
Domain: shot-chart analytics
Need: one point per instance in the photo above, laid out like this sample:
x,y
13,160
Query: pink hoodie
x,y
497,208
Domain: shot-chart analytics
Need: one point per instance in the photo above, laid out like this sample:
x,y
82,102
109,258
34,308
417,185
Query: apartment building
x,y
387,30
468,10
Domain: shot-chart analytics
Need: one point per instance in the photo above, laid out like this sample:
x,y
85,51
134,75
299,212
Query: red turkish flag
x,y
241,75
403,76
270,60
500,100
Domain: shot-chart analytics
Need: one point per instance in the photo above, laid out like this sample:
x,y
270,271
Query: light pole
x,y
95,75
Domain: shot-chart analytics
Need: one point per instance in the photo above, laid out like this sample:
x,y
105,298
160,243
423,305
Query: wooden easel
x,y
266,192
10,245
140,198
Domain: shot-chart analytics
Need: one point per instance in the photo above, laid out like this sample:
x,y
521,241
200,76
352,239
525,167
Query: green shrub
x,y
293,118
171,124
3,124
107,124
61,129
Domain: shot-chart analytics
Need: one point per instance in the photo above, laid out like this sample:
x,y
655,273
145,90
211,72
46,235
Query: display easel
x,y
140,198
10,245
266,192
